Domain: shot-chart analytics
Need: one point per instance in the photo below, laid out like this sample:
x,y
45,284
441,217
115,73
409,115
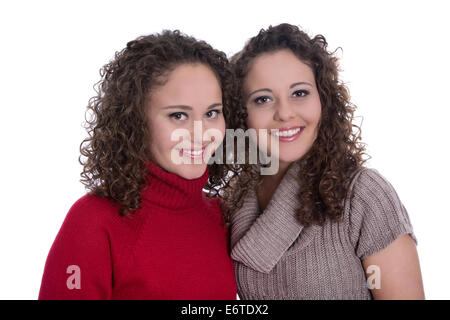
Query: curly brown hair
x,y
326,169
115,154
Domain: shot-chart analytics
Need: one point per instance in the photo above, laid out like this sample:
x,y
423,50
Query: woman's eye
x,y
213,114
261,100
300,93
178,115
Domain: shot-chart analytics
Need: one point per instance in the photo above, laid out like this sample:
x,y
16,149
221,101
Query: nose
x,y
196,131
284,111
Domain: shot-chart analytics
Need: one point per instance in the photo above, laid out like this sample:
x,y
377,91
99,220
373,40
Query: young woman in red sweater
x,y
146,229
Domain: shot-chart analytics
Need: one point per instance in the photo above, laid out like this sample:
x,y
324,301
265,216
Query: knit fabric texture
x,y
175,247
277,258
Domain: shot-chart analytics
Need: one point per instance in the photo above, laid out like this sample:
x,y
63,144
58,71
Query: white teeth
x,y
194,153
287,133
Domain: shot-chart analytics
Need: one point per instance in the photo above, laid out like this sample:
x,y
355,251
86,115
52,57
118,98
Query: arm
x,y
78,265
399,271
384,240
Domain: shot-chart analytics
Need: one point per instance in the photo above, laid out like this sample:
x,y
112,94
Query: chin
x,y
191,171
290,158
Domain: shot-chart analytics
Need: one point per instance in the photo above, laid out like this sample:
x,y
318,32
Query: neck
x,y
282,169
171,191
270,183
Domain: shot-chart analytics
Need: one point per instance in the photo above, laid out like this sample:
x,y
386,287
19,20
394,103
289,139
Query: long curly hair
x,y
115,154
327,168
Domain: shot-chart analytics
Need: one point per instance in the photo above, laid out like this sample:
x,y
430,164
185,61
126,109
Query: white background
x,y
395,60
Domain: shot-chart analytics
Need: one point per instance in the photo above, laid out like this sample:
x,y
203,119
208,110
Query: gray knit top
x,y
277,258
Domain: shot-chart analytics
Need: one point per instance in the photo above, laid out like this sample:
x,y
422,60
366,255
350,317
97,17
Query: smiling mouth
x,y
193,153
288,133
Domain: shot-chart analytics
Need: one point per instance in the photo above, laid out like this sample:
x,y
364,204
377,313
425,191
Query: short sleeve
x,y
377,217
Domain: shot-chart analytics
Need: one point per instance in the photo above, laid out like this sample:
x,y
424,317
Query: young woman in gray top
x,y
323,226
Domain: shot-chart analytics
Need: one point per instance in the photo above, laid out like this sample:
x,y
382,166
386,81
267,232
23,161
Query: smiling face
x,y
281,93
191,97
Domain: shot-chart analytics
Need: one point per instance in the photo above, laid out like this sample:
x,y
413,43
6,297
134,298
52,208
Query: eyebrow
x,y
290,87
185,107
265,89
302,82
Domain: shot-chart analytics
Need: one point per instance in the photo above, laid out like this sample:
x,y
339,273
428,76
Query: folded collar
x,y
259,241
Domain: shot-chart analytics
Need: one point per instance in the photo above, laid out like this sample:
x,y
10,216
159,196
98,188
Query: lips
x,y
288,134
196,153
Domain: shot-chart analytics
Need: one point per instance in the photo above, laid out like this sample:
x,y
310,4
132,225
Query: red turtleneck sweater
x,y
175,247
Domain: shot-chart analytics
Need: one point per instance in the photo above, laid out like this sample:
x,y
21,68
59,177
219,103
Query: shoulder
x,y
83,241
94,206
372,184
376,215
91,212
371,192
87,227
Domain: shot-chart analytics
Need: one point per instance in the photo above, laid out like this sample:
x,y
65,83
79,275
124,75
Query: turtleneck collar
x,y
170,191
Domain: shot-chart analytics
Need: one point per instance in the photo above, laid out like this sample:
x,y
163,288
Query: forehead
x,y
188,84
277,68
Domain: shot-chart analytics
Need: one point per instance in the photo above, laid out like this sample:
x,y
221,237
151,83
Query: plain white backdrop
x,y
395,61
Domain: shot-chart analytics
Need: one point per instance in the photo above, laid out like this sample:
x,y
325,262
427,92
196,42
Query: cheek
x,y
221,126
214,132
313,113
160,135
223,130
257,119
313,120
